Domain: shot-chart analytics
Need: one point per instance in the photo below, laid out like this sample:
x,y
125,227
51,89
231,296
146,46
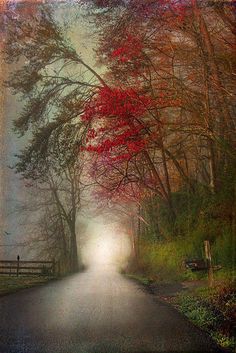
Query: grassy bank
x,y
11,284
164,261
213,310
165,242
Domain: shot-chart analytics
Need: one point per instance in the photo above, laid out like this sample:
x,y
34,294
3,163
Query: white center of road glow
x,y
106,246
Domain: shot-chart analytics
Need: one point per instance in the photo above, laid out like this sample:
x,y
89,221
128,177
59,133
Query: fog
x,y
107,246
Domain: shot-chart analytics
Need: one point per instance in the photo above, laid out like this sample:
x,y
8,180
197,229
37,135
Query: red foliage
x,y
180,10
91,134
122,126
117,111
111,102
131,49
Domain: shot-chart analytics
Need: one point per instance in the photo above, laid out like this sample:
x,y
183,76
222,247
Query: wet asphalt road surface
x,y
94,312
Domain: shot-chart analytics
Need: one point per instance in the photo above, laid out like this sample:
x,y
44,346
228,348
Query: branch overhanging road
x,y
95,312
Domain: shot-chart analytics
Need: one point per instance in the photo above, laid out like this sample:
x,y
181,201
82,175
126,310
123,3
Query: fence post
x,y
53,267
59,268
18,265
209,263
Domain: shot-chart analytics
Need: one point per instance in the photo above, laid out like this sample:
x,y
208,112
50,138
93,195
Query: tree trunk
x,y
208,51
164,193
74,260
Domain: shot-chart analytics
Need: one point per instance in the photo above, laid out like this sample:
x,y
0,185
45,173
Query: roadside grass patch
x,y
139,278
11,284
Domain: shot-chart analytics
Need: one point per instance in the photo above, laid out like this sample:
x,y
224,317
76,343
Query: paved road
x,y
94,312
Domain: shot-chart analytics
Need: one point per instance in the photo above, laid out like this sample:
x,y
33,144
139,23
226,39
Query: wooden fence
x,y
27,268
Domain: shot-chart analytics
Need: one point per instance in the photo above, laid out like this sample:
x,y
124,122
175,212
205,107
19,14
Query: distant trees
x,y
53,93
53,206
62,189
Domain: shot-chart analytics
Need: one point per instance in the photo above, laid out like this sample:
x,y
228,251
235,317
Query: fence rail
x,y
26,262
34,268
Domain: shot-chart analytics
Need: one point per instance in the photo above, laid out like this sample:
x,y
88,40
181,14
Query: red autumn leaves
x,y
115,102
114,113
130,50
120,120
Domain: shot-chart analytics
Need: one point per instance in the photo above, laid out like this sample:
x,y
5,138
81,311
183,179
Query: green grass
x,y
11,284
141,279
164,261
212,309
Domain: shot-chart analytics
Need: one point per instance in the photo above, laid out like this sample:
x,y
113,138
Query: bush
x,y
224,249
224,341
157,261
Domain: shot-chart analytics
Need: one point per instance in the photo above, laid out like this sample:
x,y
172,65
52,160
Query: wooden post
x,y
209,263
18,265
139,230
53,267
59,268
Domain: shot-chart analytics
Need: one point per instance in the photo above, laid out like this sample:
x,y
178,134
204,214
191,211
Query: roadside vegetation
x,y
164,244
163,250
213,310
12,284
